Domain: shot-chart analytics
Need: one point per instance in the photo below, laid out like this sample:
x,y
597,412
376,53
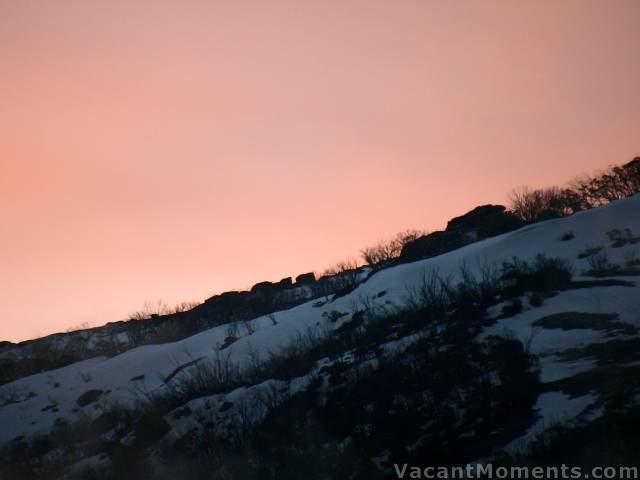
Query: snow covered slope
x,y
32,405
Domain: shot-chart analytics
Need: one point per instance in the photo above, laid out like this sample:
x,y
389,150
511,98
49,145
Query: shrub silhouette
x,y
614,183
387,251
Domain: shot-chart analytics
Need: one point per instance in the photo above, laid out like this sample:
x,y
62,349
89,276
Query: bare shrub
x,y
430,294
386,252
168,332
273,395
158,308
343,277
250,326
232,335
8,395
541,204
184,306
48,352
632,259
599,261
614,183
541,275
600,266
76,328
150,310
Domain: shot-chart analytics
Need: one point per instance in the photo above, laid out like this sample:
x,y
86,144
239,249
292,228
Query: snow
x,y
155,362
553,408
548,341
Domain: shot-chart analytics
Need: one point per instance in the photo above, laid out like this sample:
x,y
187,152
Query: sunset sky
x,y
176,149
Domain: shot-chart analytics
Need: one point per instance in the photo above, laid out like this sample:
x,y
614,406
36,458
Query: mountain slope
x,y
554,328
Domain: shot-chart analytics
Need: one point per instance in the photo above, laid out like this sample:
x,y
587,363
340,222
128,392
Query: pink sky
x,y
164,149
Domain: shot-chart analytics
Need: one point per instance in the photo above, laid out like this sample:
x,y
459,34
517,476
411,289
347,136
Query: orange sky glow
x,y
176,149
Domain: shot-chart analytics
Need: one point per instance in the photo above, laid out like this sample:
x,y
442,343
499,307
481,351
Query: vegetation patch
x,y
180,368
611,439
334,315
609,282
89,397
182,412
614,384
536,300
632,259
613,271
622,237
402,404
566,236
512,308
582,320
543,274
589,252
228,341
613,352
51,407
373,402
600,266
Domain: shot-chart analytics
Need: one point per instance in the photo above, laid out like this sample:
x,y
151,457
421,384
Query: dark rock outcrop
x,y
284,283
484,222
262,286
58,350
435,243
270,287
480,223
306,279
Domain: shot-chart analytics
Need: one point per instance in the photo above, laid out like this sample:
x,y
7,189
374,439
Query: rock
x,y
262,286
306,279
435,243
227,297
480,223
484,222
284,283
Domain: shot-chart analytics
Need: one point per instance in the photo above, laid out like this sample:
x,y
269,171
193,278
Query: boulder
x,y
435,243
262,286
484,222
480,223
284,283
306,279
267,287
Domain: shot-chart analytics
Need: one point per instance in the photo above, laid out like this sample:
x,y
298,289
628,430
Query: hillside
x,y
156,326
466,356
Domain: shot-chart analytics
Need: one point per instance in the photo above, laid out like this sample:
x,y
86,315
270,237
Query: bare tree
x,y
79,327
614,183
155,309
151,309
387,251
534,205
344,276
184,306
